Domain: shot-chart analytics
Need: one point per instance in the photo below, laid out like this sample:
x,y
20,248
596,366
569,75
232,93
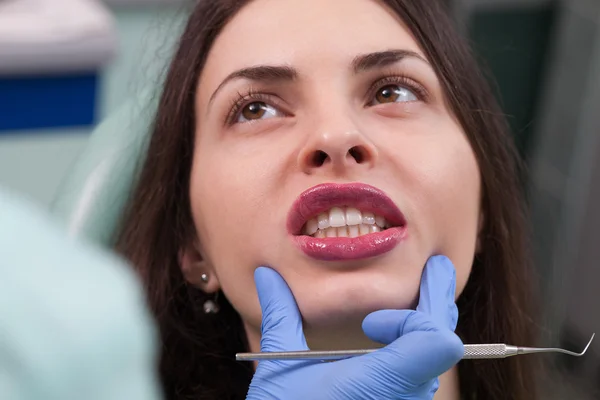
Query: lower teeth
x,y
347,231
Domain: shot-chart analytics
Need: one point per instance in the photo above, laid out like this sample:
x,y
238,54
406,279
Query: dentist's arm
x,y
73,322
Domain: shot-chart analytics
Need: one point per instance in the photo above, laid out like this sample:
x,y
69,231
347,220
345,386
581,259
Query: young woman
x,y
343,144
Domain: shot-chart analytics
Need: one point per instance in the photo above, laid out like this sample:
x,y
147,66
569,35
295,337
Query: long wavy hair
x,y
197,360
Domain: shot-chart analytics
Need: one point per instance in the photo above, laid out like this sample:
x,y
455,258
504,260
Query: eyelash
x,y
242,100
252,96
402,81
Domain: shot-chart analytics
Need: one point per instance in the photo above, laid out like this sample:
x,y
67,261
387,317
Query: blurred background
x,y
543,56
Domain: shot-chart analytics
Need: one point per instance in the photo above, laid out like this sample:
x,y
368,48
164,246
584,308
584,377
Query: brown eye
x,y
393,94
255,110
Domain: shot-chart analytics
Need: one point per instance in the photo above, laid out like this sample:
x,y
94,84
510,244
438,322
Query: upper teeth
x,y
341,217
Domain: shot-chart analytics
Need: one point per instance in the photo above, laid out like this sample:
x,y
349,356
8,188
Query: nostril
x,y
319,157
357,153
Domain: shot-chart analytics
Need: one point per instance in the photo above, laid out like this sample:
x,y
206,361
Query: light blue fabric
x,y
420,346
73,321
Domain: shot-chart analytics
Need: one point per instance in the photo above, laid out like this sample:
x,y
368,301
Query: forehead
x,y
304,34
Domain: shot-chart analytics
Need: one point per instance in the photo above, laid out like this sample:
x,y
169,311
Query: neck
x,y
449,384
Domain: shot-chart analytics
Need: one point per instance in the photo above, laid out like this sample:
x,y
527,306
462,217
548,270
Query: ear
x,y
197,270
481,224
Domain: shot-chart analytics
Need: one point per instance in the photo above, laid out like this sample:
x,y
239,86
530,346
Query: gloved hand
x,y
73,319
420,346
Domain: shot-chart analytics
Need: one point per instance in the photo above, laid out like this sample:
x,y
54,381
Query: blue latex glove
x,y
73,320
420,345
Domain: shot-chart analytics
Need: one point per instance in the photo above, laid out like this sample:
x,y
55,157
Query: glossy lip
x,y
364,197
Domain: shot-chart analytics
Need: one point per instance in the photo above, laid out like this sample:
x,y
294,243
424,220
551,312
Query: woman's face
x,y
304,95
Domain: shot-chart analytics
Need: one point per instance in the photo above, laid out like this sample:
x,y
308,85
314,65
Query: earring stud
x,y
204,278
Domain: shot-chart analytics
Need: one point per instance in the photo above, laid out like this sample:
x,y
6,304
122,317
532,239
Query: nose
x,y
337,151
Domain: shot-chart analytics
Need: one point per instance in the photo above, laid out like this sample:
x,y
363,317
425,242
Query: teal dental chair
x,y
91,199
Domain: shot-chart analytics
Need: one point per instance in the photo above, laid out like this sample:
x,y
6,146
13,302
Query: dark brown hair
x,y
198,350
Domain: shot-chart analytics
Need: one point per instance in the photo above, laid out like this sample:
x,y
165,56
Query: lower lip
x,y
345,249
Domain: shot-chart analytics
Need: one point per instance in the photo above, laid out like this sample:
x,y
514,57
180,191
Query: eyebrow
x,y
381,59
284,73
264,73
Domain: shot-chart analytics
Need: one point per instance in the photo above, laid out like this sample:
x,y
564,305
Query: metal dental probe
x,y
472,351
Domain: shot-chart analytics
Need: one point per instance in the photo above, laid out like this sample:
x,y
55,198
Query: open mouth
x,y
337,222
343,210
344,222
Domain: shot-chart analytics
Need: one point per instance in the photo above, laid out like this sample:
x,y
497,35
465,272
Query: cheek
x,y
233,237
224,186
443,189
235,194
455,205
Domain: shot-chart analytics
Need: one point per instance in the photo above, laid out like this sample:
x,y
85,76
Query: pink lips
x,y
323,197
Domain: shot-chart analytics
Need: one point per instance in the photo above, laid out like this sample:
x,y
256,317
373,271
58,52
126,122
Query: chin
x,y
330,325
333,306
333,321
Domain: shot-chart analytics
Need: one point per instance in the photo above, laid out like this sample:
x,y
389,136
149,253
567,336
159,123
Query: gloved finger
x,y
385,326
437,297
436,300
281,321
435,312
437,291
423,351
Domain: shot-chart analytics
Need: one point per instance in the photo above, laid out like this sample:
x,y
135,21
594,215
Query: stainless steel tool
x,y
472,351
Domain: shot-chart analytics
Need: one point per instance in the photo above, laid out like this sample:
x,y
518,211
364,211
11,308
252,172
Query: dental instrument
x,y
472,351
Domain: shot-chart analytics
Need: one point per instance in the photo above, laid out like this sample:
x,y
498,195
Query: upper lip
x,y
323,197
